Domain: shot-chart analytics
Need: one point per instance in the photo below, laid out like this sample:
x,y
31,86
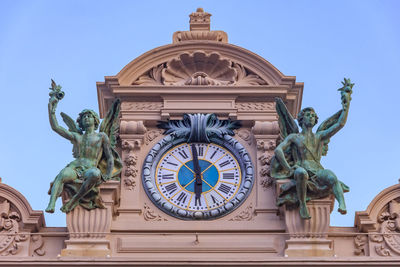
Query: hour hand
x,y
197,170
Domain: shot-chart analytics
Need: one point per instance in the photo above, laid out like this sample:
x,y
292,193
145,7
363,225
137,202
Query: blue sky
x,y
79,42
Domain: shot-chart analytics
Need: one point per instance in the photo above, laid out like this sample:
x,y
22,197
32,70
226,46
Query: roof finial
x,y
200,20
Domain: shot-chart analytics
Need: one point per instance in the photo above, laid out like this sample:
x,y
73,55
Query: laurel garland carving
x,y
10,238
199,68
246,215
150,215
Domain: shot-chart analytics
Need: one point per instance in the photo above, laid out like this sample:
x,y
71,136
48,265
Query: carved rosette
x,y
10,237
386,241
199,68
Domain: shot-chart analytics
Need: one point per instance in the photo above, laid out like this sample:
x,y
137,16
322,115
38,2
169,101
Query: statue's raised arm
x,y
56,95
336,122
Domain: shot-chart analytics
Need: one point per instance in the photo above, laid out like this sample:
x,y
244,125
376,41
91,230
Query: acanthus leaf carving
x,y
152,77
244,77
246,135
150,215
199,68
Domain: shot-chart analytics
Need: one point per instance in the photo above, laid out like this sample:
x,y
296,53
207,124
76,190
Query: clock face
x,y
197,180
220,175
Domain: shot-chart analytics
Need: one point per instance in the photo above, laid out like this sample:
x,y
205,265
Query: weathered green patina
x,y
96,160
298,156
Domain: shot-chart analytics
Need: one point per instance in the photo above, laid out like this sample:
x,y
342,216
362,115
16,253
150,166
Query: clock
x,y
205,179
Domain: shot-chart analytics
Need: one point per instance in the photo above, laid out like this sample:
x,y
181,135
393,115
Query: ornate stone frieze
x,y
10,237
387,239
255,106
150,215
199,68
246,215
142,105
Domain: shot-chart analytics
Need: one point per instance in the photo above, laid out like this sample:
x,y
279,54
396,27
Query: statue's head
x,y
86,117
307,117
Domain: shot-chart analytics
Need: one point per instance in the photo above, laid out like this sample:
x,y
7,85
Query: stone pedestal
x,y
89,230
308,238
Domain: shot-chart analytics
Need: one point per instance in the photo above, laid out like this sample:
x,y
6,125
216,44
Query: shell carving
x,y
199,68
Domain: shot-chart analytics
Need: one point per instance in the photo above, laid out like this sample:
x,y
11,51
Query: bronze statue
x,y
95,162
298,156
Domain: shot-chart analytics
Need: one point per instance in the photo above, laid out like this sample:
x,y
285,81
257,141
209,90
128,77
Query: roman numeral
x,y
171,188
229,175
213,199
168,176
200,151
224,188
171,163
213,154
223,164
183,154
182,197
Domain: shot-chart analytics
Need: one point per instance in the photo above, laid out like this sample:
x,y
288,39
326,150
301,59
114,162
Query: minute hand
x,y
197,170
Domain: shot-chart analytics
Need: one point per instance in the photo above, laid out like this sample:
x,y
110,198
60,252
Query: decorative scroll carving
x,y
255,106
199,68
246,135
142,105
130,160
132,127
389,229
359,242
37,245
266,128
10,238
246,215
151,135
267,148
150,215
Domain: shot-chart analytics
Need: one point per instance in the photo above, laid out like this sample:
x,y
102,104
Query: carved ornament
x,y
359,242
142,106
246,215
10,238
388,235
199,68
255,106
150,215
130,160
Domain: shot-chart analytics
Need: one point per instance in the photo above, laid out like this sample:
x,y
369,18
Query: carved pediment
x,y
199,68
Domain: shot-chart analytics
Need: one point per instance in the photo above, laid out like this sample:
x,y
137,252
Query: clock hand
x,y
198,185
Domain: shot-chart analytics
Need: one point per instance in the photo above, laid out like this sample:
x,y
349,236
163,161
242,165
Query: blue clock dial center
x,y
186,176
